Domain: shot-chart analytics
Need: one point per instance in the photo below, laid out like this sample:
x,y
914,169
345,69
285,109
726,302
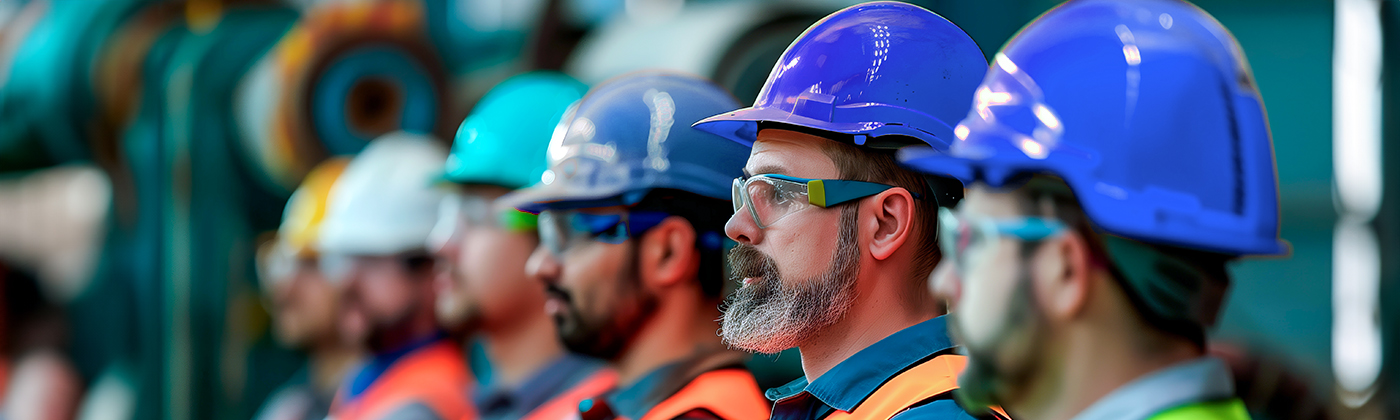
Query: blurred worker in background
x,y
373,244
836,240
304,305
482,287
37,381
1118,158
632,209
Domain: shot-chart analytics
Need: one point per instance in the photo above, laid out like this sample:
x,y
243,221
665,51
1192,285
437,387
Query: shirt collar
x,y
854,379
637,399
1193,381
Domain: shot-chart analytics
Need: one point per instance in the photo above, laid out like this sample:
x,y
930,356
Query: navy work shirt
x,y
853,380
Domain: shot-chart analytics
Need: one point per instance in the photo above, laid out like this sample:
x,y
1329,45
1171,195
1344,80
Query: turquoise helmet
x,y
504,140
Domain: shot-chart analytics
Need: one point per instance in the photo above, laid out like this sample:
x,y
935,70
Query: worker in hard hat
x,y
482,286
304,305
836,240
1118,157
373,244
632,210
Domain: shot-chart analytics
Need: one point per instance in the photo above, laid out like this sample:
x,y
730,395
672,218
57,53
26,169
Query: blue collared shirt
x,y
495,402
853,380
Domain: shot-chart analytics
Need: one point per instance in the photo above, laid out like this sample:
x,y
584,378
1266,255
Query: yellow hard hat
x,y
301,221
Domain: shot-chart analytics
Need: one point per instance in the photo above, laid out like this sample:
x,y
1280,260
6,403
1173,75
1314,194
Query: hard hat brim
x,y
539,198
741,125
997,167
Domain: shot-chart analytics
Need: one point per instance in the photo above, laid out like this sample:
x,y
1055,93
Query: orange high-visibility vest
x,y
565,405
732,394
435,376
933,377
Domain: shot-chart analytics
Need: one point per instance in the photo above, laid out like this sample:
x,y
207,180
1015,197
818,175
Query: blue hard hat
x,y
503,142
870,70
631,135
1149,112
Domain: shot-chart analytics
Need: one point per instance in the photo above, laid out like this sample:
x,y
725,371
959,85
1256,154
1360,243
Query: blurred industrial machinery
x,y
144,144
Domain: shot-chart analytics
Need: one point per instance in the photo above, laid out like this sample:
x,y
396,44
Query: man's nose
x,y
543,266
742,228
945,284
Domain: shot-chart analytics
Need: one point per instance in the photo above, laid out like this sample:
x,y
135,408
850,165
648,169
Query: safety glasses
x,y
771,197
461,212
962,240
337,268
561,230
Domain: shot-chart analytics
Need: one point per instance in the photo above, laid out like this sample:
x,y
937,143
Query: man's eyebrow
x,y
765,169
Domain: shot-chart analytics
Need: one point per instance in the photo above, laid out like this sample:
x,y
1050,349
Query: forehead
x,y
791,153
982,200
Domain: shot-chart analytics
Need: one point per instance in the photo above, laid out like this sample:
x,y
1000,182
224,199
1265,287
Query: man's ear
x,y
666,254
1063,267
891,221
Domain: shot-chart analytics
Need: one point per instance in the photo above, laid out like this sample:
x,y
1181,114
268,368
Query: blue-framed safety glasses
x,y
771,197
561,230
964,239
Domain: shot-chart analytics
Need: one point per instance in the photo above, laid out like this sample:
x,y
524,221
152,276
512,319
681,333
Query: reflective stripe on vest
x,y
731,394
1231,409
435,376
565,405
934,377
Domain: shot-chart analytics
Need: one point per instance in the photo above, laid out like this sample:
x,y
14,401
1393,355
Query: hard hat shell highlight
x,y
631,135
306,209
870,70
385,202
1147,109
503,142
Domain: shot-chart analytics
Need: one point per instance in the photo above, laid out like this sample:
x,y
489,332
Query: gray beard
x,y
771,315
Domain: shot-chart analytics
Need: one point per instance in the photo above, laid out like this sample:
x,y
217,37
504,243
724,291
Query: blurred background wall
x,y
144,144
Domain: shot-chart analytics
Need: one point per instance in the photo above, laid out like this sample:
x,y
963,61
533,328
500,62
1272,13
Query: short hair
x,y
1201,274
880,166
707,216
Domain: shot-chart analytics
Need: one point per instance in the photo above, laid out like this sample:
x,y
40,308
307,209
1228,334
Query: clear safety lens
x,y
956,238
336,268
560,230
769,199
276,264
554,235
962,241
448,223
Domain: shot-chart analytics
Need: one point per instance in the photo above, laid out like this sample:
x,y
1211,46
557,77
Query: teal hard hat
x,y
503,142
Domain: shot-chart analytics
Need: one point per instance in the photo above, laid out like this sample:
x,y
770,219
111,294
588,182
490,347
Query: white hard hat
x,y
385,202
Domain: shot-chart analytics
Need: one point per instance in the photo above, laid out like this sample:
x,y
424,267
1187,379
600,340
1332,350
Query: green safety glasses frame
x,y
960,238
771,197
562,229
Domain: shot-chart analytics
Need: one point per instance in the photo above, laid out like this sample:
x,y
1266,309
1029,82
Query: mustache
x,y
745,261
558,292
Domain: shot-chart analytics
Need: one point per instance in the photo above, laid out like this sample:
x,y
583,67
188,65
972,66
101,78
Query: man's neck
x,y
878,313
679,329
1091,366
521,349
328,365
